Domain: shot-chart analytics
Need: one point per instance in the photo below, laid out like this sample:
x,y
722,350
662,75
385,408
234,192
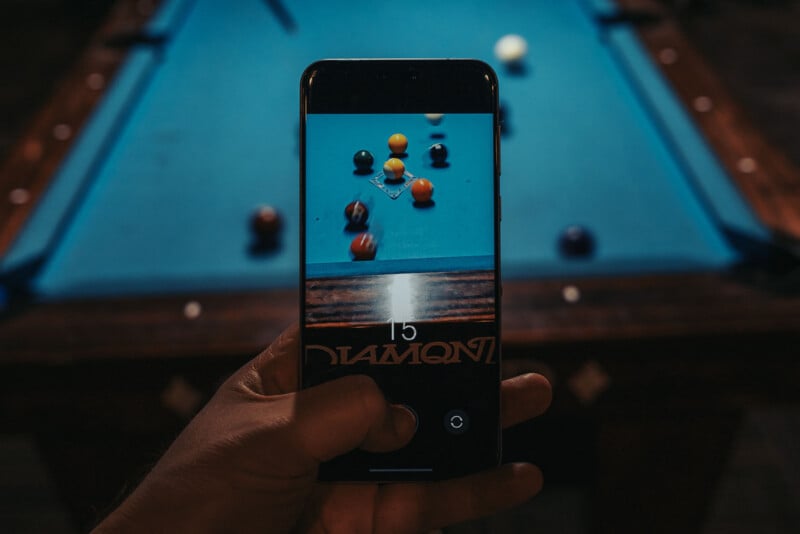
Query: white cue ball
x,y
434,118
511,48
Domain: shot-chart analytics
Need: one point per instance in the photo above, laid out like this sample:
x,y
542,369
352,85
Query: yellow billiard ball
x,y
398,143
393,169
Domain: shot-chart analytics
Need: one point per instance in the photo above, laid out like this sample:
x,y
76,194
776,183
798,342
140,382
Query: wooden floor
x,y
760,490
28,500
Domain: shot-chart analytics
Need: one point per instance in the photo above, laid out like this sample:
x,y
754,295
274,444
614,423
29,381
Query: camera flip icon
x,y
456,421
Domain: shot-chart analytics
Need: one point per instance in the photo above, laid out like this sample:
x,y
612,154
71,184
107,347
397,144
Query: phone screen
x,y
400,281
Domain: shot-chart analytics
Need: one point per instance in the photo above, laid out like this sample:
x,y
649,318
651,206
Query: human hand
x,y
248,461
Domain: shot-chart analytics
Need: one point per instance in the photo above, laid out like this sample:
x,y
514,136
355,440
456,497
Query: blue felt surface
x,y
458,224
215,133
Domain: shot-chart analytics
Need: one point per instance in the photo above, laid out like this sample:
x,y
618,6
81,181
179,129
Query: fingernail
x,y
405,420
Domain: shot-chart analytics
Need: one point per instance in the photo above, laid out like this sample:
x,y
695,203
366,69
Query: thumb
x,y
345,414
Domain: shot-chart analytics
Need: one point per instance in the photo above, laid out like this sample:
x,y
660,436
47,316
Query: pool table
x,y
125,247
133,213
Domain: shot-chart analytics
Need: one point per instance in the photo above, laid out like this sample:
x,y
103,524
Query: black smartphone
x,y
400,257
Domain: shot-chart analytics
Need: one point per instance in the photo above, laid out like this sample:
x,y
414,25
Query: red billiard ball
x,y
364,246
266,223
356,213
422,190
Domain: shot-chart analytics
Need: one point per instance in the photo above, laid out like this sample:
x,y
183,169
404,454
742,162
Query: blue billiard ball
x,y
576,241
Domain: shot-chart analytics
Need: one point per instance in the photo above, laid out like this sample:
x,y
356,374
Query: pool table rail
x,y
763,174
33,162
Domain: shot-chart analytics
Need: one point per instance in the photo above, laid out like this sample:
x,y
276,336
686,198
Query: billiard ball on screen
x,y
363,247
398,143
511,50
576,242
356,214
393,169
363,161
422,190
438,154
434,118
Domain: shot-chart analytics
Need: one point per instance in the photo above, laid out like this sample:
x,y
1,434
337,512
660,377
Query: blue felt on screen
x,y
456,232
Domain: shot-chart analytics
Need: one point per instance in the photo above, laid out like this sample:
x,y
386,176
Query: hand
x,y
248,461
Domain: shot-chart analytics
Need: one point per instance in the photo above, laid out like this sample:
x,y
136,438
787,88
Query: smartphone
x,y
400,273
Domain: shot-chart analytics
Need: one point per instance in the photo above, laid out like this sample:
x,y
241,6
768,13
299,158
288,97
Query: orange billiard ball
x,y
422,190
398,143
364,246
393,169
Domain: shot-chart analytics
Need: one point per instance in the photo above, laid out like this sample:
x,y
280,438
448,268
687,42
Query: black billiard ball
x,y
266,223
356,213
438,153
363,161
576,241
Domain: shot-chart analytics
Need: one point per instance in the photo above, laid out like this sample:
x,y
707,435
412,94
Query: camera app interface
x,y
400,274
